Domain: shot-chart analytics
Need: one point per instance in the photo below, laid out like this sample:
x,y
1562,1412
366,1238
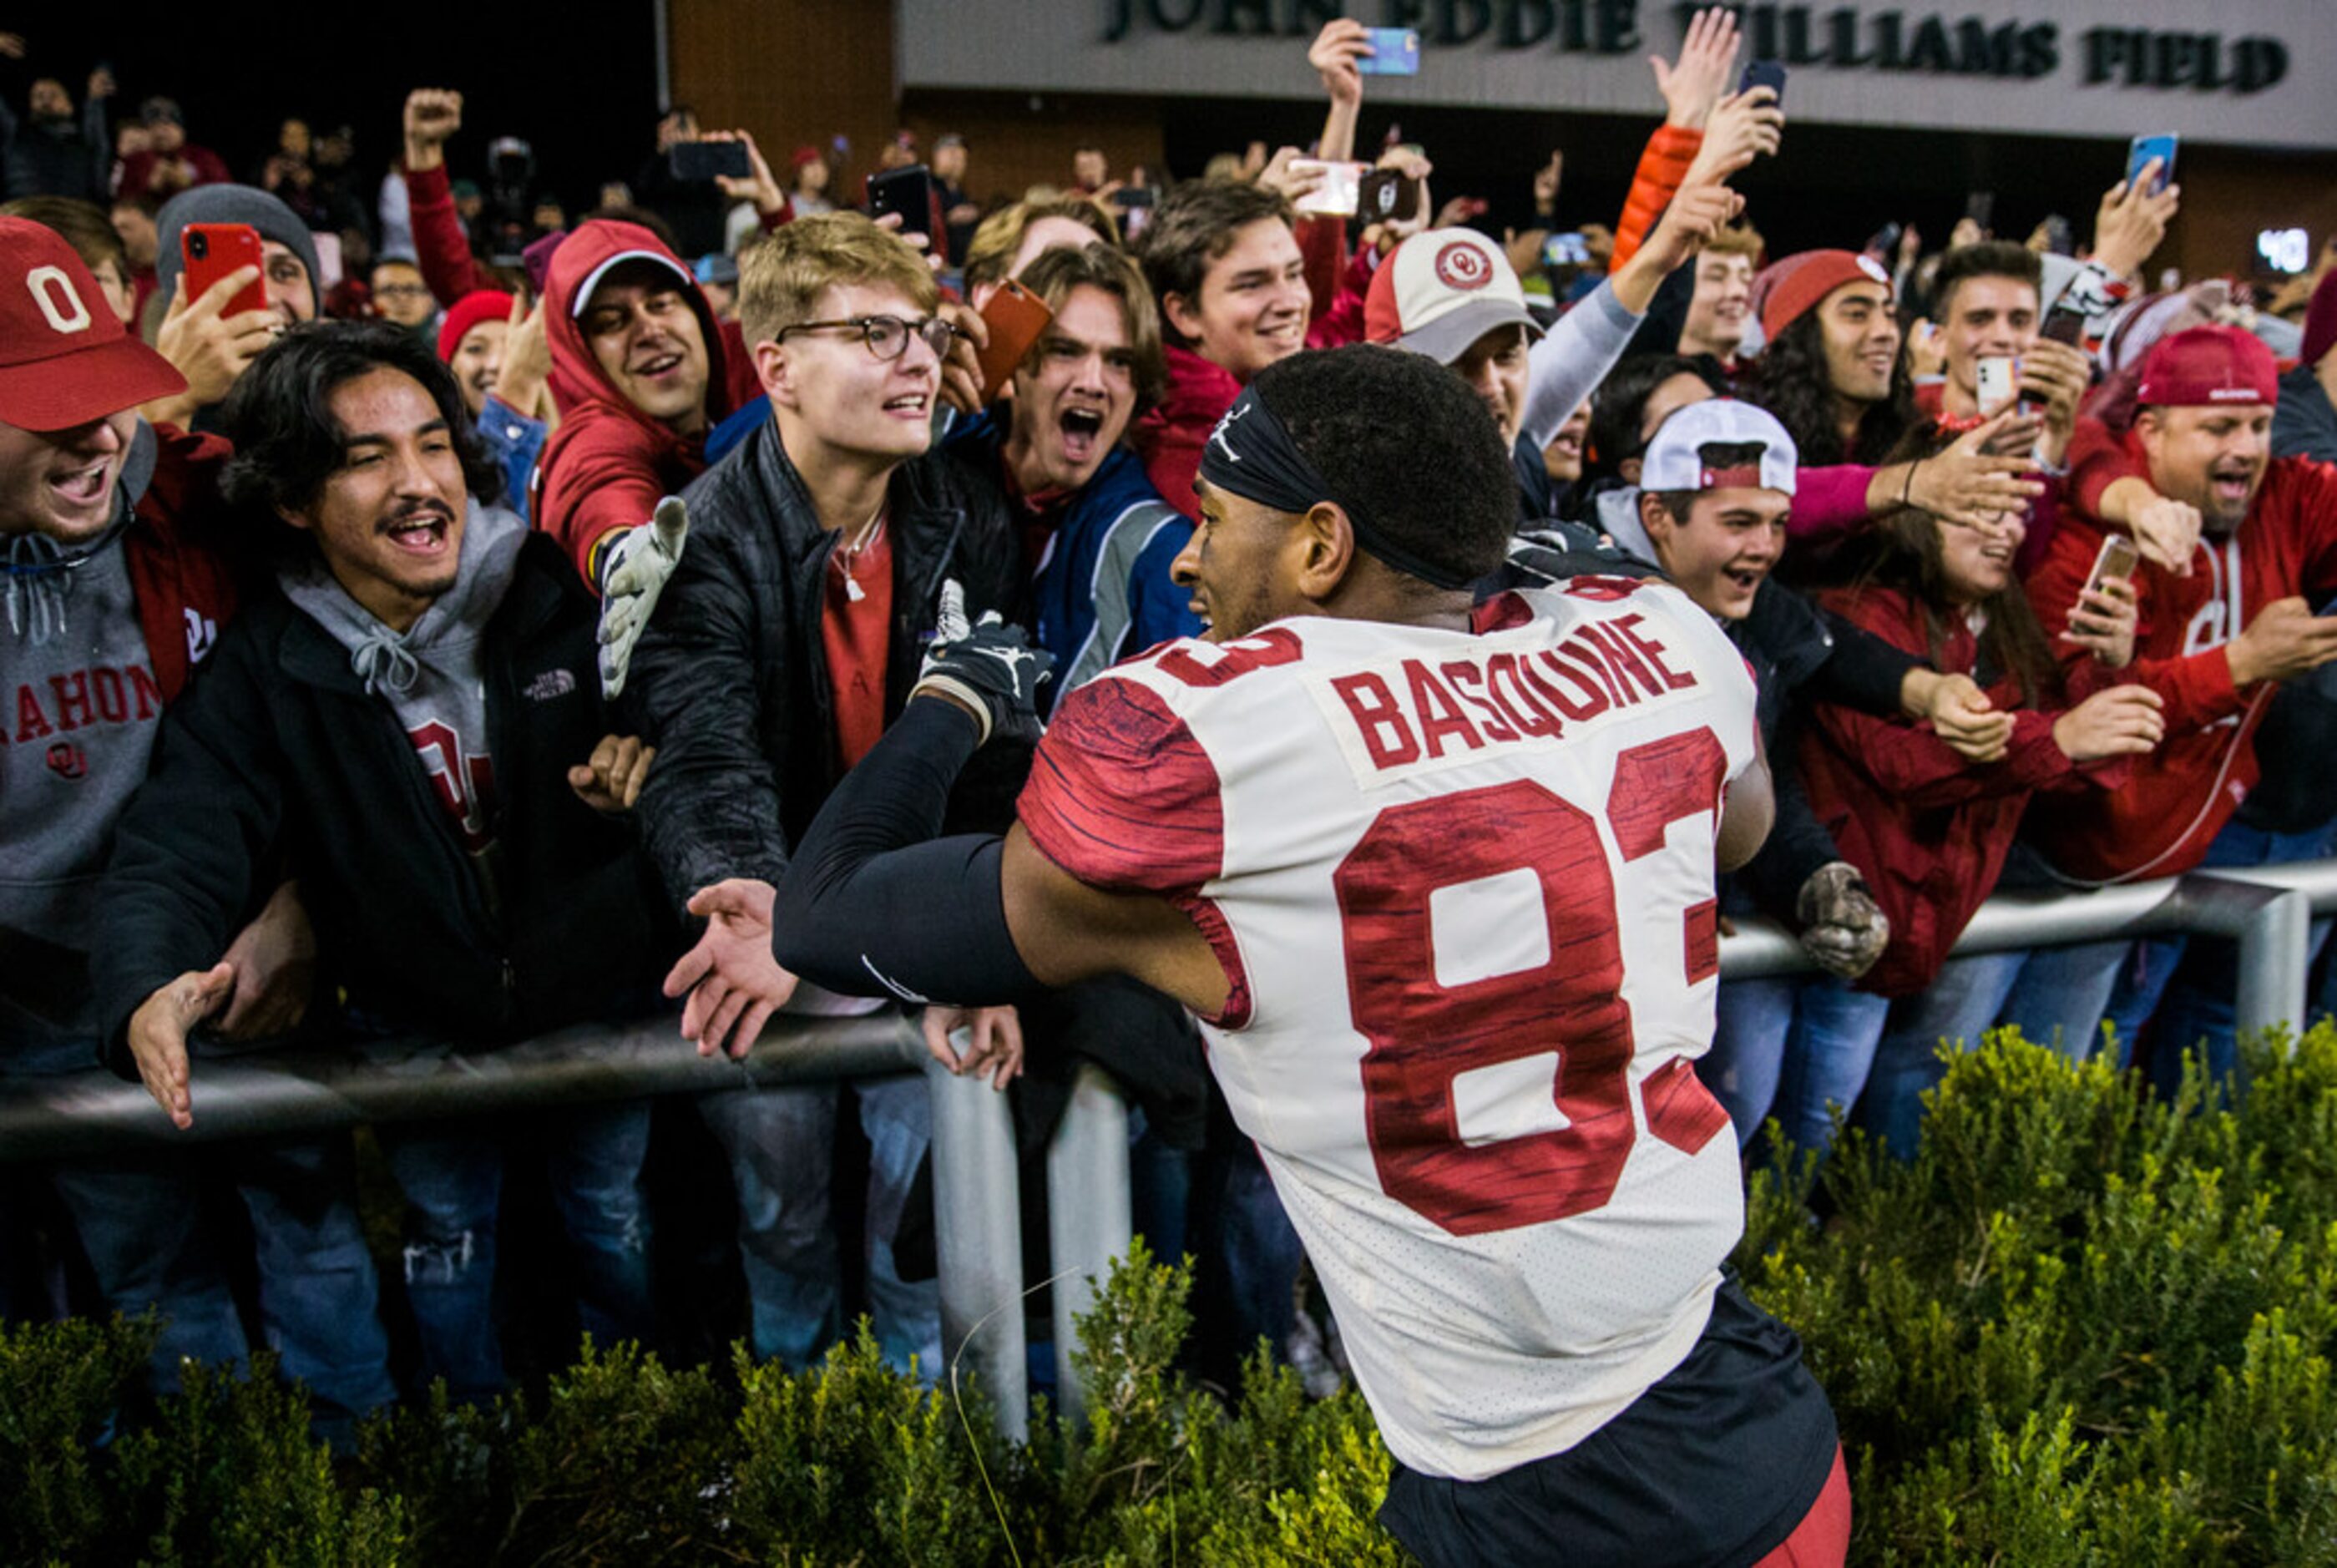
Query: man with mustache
x,y
406,720
2215,644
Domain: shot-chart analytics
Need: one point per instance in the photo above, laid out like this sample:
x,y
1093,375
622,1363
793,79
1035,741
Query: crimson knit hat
x,y
64,358
1799,284
479,304
2321,320
2206,367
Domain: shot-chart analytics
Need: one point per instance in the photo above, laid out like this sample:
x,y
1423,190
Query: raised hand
x,y
1707,55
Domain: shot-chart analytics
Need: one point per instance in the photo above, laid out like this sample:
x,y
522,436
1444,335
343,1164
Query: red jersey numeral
x,y
1275,645
1423,1034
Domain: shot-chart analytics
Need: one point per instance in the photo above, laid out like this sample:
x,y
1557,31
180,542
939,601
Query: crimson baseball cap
x,y
65,359
1674,458
1440,291
2202,367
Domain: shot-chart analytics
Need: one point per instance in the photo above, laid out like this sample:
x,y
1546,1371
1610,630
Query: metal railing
x,y
977,1206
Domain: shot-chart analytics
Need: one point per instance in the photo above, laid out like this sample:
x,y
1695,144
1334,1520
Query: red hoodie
x,y
2181,795
609,464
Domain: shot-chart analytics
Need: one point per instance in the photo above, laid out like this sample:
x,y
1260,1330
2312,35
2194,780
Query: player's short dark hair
x,y
1409,440
279,412
1193,226
1989,259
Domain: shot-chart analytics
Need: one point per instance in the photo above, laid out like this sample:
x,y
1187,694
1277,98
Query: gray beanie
x,y
231,204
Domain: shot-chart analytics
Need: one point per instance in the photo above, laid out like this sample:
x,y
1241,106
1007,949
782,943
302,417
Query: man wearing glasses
x,y
786,641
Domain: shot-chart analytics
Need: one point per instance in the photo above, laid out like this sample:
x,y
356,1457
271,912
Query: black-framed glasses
x,y
887,337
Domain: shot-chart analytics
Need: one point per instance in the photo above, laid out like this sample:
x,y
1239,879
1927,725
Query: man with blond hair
x,y
786,641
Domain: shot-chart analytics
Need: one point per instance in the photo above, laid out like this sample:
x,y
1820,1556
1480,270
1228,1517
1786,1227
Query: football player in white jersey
x,y
1440,889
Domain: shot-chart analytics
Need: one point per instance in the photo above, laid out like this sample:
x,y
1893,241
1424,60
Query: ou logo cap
x,y
64,358
1440,291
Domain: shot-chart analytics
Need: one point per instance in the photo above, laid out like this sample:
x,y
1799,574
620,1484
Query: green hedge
x,y
2082,1328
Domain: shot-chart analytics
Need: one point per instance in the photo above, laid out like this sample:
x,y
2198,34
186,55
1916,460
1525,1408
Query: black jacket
x,y
730,680
277,755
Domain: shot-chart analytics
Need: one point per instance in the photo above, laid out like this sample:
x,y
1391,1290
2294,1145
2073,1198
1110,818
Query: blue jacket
x,y
1101,584
515,441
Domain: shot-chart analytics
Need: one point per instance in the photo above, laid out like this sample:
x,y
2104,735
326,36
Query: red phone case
x,y
212,250
1016,318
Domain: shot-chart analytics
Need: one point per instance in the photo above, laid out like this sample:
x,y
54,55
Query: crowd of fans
x,y
456,646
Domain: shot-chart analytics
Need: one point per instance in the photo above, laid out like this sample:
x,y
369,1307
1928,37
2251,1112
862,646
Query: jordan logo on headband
x,y
1225,423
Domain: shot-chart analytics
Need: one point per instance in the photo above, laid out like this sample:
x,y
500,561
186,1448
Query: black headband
x,y
1250,453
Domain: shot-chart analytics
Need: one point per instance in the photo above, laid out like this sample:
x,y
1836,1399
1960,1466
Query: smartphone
x,y
701,160
1386,193
1567,249
212,250
2059,239
1979,206
1997,379
2064,325
2117,557
1769,74
1395,51
2142,149
1016,318
911,193
1133,196
1336,196
1885,241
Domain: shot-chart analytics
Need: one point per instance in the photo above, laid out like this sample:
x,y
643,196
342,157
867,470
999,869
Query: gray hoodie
x,y
433,677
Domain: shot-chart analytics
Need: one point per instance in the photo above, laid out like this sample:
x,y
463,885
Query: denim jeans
x,y
451,1174
781,1145
1827,1056
2185,991
138,1219
1751,1020
1961,1005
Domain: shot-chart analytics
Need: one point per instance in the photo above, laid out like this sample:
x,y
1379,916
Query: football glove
x,y
988,666
634,571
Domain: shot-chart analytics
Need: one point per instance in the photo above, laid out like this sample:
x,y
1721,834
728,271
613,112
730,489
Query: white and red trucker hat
x,y
1440,291
65,359
1675,460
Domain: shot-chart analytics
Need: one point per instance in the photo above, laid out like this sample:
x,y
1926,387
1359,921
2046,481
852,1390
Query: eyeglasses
x,y
887,337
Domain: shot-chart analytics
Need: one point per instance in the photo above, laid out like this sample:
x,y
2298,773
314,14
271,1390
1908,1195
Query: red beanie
x,y
481,305
2205,365
2321,320
1799,284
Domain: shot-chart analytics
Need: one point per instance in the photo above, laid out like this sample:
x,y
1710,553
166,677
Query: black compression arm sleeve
x,y
874,905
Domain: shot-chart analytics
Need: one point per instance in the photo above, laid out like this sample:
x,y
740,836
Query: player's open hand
x,y
733,983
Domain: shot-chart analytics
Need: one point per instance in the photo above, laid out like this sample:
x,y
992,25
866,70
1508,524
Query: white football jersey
x,y
1462,887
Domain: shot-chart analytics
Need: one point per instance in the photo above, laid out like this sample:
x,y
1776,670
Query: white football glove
x,y
634,571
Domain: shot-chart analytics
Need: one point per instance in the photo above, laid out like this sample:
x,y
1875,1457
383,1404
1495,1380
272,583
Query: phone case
x,y
2142,149
911,193
1016,318
212,250
1395,51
